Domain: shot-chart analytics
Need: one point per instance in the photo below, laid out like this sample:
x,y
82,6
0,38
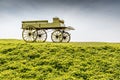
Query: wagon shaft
x,y
40,35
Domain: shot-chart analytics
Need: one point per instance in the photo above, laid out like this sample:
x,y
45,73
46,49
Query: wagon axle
x,y
41,36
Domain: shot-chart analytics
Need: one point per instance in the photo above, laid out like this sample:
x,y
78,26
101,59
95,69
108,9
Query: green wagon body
x,y
43,24
36,30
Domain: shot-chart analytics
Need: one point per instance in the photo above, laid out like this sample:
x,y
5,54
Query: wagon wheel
x,y
29,35
41,36
66,37
56,36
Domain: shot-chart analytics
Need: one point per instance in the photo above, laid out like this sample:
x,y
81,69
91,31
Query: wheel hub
x,y
57,36
40,36
29,34
64,37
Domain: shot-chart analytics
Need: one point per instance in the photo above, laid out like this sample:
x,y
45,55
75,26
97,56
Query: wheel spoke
x,y
42,36
29,35
56,36
66,37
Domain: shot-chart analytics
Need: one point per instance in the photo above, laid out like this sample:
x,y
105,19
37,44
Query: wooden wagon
x,y
36,30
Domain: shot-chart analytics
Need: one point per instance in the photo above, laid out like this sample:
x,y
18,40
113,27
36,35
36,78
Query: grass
x,y
59,61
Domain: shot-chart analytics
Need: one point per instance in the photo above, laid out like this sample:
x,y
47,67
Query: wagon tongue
x,y
70,28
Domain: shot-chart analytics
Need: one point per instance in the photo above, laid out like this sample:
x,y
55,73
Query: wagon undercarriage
x,y
40,35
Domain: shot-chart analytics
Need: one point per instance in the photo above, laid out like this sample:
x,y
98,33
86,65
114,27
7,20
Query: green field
x,y
59,61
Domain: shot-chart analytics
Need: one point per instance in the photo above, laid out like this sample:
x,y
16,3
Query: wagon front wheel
x,y
29,35
41,36
56,36
66,37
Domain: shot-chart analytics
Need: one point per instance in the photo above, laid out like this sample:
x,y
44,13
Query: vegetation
x,y
59,61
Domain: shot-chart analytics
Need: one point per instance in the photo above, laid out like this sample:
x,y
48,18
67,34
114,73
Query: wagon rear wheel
x,y
56,36
41,36
66,37
29,35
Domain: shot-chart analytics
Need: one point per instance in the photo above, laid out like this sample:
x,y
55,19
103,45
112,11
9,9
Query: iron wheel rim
x,y
29,35
41,36
56,36
66,37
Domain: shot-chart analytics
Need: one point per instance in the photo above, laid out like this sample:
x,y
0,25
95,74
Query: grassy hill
x,y
59,61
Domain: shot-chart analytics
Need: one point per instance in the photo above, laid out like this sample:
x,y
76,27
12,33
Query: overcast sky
x,y
94,20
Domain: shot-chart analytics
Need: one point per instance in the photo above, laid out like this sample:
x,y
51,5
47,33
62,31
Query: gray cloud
x,y
87,16
23,5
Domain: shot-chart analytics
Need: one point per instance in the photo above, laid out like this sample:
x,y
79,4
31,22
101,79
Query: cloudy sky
x,y
94,20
